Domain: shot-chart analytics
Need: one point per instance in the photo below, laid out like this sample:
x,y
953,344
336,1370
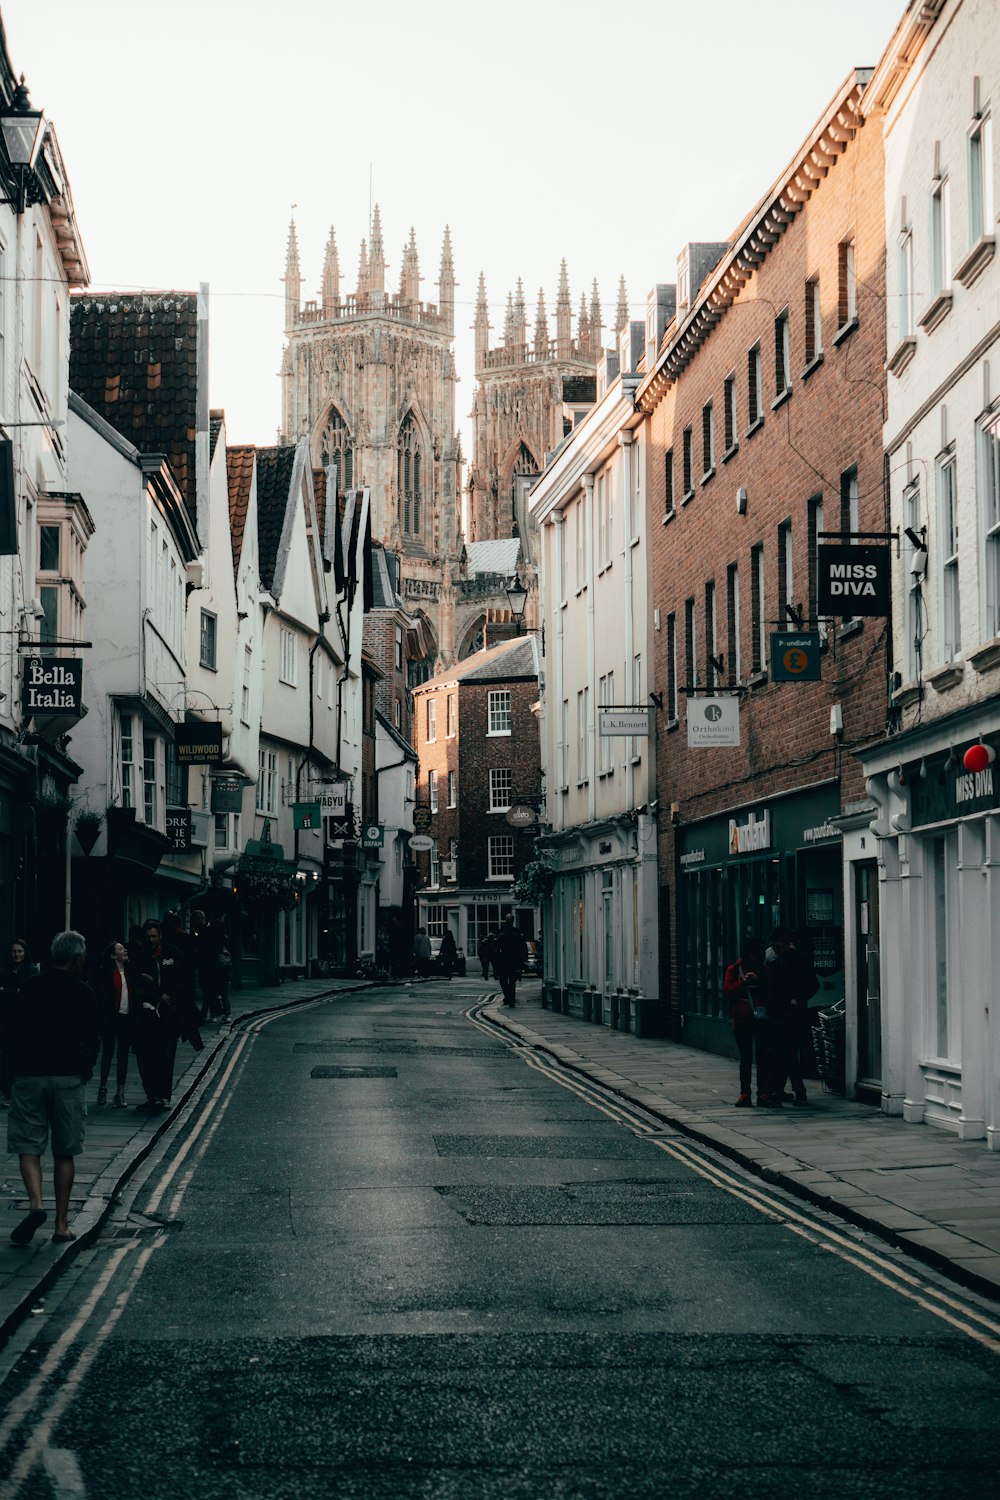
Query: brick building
x,y
764,411
476,737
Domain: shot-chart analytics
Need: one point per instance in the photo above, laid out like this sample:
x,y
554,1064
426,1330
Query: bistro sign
x,y
52,686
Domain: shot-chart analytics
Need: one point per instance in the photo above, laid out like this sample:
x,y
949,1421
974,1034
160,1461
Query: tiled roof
x,y
319,490
134,358
274,477
499,555
216,419
385,594
516,658
239,471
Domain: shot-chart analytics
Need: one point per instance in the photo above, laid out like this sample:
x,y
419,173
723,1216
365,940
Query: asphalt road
x,y
388,1258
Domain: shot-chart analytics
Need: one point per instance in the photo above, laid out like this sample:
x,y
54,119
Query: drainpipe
x,y
628,458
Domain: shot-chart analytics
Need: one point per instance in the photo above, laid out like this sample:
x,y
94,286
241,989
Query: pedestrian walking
x,y
743,986
448,954
509,954
792,980
487,950
216,965
52,1048
16,970
114,1003
422,952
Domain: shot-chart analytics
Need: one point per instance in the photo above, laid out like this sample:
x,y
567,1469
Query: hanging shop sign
x,y
333,800
372,836
521,816
306,815
421,817
51,685
751,836
227,794
632,723
198,744
795,656
713,723
178,825
341,826
852,580
449,869
420,843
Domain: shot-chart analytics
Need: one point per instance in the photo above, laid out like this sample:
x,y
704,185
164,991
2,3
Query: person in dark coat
x,y
448,954
16,970
52,1048
115,1001
487,951
745,989
509,954
216,962
792,982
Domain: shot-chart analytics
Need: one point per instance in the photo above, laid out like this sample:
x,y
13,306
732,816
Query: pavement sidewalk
x,y
117,1140
916,1186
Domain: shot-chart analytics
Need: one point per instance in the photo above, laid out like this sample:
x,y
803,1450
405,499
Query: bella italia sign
x,y
52,686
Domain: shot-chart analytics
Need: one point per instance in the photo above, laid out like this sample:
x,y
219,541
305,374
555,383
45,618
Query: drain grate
x,y
348,1072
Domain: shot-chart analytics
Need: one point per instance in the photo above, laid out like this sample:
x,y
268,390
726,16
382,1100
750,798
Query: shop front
x,y
938,830
774,863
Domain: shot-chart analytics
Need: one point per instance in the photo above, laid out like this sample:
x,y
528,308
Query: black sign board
x,y
179,828
852,580
198,744
341,827
421,817
227,794
51,685
941,788
795,656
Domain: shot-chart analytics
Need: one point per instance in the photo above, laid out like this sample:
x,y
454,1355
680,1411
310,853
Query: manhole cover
x,y
334,1072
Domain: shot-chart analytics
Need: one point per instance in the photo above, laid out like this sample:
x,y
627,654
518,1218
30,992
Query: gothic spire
x,y
508,322
409,280
563,316
520,316
331,276
292,278
482,324
621,311
446,282
583,328
596,320
541,328
376,270
364,282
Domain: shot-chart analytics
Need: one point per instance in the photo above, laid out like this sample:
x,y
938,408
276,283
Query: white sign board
x,y
713,723
631,722
333,800
420,842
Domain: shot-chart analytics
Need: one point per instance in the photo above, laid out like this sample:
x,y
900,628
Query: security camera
x,y
32,609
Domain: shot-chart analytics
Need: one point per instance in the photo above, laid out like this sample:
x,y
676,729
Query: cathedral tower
x,y
369,377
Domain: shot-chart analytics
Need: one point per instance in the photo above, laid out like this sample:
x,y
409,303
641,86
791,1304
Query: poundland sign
x,y
749,837
852,580
52,686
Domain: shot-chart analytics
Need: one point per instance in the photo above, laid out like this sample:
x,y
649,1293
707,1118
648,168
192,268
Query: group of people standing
x,y
768,991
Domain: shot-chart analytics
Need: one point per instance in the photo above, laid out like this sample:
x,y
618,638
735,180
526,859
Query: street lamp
x,y
517,598
23,133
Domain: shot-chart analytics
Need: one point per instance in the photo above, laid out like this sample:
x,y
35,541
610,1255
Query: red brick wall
x,y
831,421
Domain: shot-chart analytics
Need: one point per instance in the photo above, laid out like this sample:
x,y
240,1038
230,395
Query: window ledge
x,y
754,427
708,474
672,725
583,783
909,693
636,760
757,679
635,541
605,568
849,628
987,658
781,398
813,365
688,495
937,311
498,734
730,452
977,260
947,677
901,355
565,789
845,332
669,516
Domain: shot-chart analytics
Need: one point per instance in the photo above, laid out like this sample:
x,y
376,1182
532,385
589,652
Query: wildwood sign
x,y
51,686
852,580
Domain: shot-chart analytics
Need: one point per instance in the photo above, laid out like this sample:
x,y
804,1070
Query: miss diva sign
x,y
852,580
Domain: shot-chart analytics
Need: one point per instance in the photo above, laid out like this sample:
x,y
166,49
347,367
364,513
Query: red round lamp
x,y
978,757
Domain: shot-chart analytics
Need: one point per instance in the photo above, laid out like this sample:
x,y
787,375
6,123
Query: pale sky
x,y
611,134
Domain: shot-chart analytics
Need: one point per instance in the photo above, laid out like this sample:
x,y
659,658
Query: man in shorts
x,y
53,1045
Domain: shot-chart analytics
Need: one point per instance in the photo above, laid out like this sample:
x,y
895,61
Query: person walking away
x,y
114,1000
178,1006
422,952
17,969
487,951
743,988
448,954
53,1045
509,955
794,980
217,961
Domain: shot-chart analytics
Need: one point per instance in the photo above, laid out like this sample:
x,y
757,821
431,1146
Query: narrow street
x,y
388,1253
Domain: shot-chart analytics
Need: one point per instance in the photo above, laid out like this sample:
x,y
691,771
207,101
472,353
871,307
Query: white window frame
x,y
245,687
904,258
782,352
432,790
431,721
564,747
500,713
126,738
755,392
288,657
267,781
980,153
847,290
939,247
208,641
946,476
500,857
605,744
452,716
733,602
989,510
912,605
501,789
154,788
814,321
730,412
452,789
707,440
582,745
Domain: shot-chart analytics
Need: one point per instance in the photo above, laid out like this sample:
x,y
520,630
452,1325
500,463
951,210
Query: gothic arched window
x,y
337,451
523,476
409,477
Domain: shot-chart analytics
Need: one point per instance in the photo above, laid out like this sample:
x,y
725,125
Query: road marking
x,y
977,1325
61,1465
